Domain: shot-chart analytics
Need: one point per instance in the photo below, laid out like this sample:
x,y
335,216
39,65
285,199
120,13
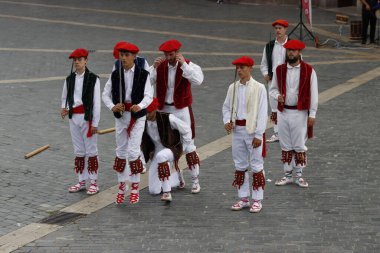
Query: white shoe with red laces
x,y
93,189
256,206
77,187
120,197
196,188
166,196
134,196
301,182
240,205
273,138
284,181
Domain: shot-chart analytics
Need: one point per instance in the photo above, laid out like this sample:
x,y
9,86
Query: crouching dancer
x,y
162,143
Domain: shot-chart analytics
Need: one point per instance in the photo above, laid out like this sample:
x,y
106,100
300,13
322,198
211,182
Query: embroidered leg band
x,y
300,158
136,166
163,171
258,180
286,156
79,164
239,178
93,164
119,164
192,159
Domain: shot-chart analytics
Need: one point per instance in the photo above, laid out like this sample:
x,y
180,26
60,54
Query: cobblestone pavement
x,y
338,213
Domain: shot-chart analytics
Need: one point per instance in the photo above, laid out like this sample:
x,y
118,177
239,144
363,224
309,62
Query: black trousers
x,y
368,18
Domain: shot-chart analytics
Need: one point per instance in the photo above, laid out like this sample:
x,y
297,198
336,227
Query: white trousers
x,y
244,156
184,115
128,147
273,106
155,185
83,146
292,130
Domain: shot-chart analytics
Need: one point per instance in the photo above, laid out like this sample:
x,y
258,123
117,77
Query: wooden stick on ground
x,y
36,151
106,131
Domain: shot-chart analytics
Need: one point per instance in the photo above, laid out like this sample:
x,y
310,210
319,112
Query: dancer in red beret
x,y
274,55
173,76
127,94
81,102
295,88
245,116
162,144
141,62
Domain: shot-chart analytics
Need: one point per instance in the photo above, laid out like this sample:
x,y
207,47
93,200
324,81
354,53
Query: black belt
x,y
171,104
290,107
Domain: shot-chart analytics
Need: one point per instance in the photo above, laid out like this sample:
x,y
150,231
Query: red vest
x,y
304,96
182,88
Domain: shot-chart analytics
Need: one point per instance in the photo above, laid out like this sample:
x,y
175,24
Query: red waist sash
x,y
80,110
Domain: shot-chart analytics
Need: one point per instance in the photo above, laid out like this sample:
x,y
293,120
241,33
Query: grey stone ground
x,y
338,213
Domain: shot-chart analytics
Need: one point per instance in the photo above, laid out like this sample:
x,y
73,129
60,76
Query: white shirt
x,y
292,88
241,110
278,57
175,123
191,72
78,97
128,78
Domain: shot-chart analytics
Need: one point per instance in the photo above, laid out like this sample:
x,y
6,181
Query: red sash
x,y
80,110
133,120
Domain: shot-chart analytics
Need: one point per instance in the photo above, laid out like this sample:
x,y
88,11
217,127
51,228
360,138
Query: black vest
x,y
139,80
89,81
170,138
269,50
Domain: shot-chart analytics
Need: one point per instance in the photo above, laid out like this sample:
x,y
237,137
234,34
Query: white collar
x,y
291,67
80,75
171,66
131,69
286,40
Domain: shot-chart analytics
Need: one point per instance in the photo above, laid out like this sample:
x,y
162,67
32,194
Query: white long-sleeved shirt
x,y
128,78
175,123
278,57
78,97
191,72
241,109
292,88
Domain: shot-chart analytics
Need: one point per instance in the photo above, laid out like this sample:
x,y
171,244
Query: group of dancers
x,y
161,129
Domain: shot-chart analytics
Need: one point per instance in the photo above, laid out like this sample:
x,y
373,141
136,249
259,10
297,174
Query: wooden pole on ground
x,y
106,131
36,151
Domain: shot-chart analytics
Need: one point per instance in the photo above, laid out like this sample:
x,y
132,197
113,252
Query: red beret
x,y
170,45
125,46
153,106
282,22
115,51
79,52
244,60
294,45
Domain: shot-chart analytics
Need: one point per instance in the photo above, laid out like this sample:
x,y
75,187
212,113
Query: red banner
x,y
306,6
